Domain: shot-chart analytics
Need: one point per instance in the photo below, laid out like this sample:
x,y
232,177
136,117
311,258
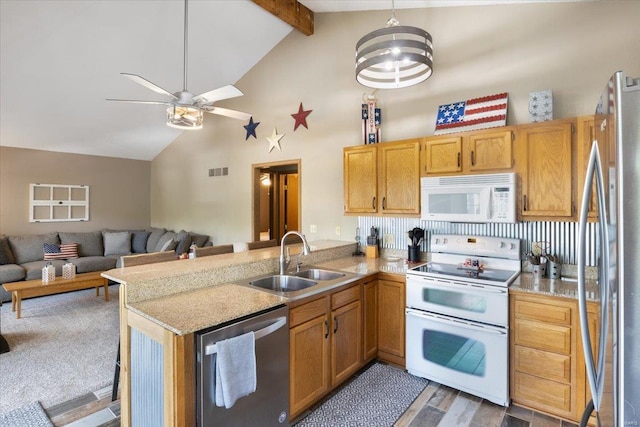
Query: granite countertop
x,y
565,288
185,296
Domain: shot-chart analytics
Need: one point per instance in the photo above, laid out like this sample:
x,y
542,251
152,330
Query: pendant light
x,y
395,56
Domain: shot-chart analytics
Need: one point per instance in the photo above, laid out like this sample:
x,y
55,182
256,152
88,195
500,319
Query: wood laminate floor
x,y
436,406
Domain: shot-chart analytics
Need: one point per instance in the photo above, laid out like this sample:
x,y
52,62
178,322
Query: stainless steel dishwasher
x,y
269,404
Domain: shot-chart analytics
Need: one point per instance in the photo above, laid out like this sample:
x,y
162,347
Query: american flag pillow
x,y
54,251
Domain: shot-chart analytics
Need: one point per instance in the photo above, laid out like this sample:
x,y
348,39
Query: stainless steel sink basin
x,y
283,283
319,274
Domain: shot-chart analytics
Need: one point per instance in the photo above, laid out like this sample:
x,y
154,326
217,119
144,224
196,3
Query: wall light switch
x,y
313,228
337,230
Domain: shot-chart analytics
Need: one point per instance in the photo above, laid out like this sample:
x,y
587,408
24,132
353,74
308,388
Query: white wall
x,y
571,48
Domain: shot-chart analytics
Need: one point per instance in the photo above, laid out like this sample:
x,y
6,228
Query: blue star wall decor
x,y
251,128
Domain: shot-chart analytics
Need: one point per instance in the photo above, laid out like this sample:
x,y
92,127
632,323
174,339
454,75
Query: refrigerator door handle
x,y
595,374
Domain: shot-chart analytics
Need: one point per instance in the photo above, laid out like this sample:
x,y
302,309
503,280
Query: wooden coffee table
x,y
37,288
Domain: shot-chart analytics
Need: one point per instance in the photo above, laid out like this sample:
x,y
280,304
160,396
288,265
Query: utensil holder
x,y
414,253
554,269
538,271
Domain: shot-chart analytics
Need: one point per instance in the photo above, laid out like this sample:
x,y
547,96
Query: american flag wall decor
x,y
478,113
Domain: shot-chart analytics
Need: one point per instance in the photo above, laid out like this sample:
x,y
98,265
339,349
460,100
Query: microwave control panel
x,y
501,202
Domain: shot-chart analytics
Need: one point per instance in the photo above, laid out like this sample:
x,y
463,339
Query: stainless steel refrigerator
x,y
613,177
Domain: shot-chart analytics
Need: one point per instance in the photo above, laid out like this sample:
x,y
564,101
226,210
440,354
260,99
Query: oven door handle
x,y
456,322
473,287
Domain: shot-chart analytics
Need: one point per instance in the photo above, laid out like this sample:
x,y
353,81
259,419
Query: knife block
x,y
372,251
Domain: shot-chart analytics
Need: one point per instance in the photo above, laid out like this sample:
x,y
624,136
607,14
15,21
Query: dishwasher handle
x,y
279,323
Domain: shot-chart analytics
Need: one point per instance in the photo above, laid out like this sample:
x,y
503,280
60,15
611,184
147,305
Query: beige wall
x,y
118,189
571,48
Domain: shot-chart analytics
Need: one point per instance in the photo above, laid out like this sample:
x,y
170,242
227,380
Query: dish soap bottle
x,y
192,251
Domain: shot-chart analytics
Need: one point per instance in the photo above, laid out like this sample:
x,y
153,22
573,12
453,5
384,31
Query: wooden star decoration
x,y
251,128
301,117
274,140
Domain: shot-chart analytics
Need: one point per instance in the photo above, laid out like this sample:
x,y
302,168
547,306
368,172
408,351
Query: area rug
x,y
31,415
64,346
377,397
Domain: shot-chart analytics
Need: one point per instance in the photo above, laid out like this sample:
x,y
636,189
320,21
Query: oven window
x,y
452,203
457,300
455,352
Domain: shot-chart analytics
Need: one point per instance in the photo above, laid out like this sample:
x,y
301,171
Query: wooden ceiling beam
x,y
292,12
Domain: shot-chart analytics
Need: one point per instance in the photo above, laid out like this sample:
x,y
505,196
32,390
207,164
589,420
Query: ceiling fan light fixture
x,y
184,117
394,57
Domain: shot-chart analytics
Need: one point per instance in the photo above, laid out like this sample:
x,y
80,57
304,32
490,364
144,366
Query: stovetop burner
x,y
496,277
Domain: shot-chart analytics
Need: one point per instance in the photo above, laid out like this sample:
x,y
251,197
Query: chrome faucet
x,y
284,261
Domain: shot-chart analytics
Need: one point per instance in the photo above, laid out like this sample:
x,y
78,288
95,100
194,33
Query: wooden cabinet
x,y
360,179
391,318
370,319
586,133
325,345
308,354
489,150
545,165
382,178
547,362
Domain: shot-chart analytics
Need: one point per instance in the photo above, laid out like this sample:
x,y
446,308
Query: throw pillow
x,y
53,251
184,244
154,238
89,242
169,245
199,239
6,256
139,241
117,243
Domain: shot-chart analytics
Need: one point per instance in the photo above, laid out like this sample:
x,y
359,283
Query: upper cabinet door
x,y
442,155
545,166
400,177
490,150
360,179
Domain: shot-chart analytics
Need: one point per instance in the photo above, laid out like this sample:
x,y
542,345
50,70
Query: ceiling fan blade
x,y
149,85
228,113
224,92
134,101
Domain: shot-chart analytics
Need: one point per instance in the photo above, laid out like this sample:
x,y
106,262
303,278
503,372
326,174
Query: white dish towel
x,y
235,373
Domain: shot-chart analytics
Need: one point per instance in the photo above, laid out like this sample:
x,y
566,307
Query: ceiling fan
x,y
185,110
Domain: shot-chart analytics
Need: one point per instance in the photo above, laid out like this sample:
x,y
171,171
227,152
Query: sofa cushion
x,y
184,242
154,237
89,243
33,269
139,241
117,243
88,264
28,248
6,256
11,273
199,239
167,236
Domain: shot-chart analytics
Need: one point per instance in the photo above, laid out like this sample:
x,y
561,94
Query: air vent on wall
x,y
219,172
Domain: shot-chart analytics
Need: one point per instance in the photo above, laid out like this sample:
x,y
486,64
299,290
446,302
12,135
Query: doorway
x,y
276,199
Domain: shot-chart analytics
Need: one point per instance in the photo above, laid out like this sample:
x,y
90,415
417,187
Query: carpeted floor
x,y
377,397
64,346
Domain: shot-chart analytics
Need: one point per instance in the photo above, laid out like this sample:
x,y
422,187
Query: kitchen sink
x,y
283,283
318,274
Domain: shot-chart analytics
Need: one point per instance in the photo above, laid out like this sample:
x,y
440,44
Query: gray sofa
x,y
22,257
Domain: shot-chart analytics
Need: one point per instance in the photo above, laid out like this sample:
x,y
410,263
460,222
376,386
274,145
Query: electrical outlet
x,y
313,228
387,239
337,230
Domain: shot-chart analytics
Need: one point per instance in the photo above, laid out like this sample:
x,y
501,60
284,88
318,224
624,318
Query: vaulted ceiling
x,y
60,60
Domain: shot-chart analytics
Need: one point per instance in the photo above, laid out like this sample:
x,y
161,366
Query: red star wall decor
x,y
301,117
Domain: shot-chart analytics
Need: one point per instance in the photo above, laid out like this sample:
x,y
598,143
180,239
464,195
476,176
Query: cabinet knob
x,y
335,324
473,162
373,202
384,203
458,159
326,328
524,203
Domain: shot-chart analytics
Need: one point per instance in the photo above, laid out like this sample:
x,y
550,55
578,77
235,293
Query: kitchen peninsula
x,y
165,303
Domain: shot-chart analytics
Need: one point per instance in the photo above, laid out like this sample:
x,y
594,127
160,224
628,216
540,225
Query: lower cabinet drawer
x,y
546,395
551,366
543,336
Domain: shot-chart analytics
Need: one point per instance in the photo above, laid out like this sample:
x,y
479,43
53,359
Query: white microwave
x,y
469,198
